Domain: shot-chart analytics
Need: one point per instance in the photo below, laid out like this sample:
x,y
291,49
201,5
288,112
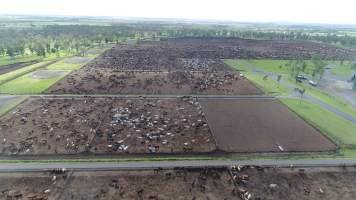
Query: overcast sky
x,y
310,11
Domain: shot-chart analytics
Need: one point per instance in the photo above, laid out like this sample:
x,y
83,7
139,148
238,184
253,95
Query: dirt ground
x,y
163,184
106,125
108,81
299,184
260,125
45,126
214,184
154,126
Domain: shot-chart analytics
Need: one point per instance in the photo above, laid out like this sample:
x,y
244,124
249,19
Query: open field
x,y
107,81
208,183
106,125
17,73
344,70
32,83
260,126
278,66
6,60
37,78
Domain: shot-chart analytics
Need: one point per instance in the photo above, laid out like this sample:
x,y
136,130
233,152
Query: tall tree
x,y
319,66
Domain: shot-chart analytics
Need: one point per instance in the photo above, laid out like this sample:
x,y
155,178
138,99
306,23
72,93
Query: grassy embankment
x,y
5,108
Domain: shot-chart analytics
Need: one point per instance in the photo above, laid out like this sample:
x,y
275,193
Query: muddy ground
x,y
106,125
108,81
247,183
260,125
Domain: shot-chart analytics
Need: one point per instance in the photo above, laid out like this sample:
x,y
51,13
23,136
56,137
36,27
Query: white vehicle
x,y
313,83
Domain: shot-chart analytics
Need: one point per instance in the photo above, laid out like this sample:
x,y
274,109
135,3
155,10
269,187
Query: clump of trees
x,y
296,67
299,66
319,66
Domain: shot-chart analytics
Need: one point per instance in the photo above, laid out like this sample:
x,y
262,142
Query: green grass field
x,y
237,64
61,65
6,60
341,131
344,70
277,66
19,72
22,81
269,86
26,84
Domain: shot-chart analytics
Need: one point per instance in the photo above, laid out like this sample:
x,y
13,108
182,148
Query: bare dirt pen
x,y
150,126
44,126
149,184
297,184
255,125
106,125
108,81
253,183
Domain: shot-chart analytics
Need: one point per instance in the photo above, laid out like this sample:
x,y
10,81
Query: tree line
x,y
53,39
